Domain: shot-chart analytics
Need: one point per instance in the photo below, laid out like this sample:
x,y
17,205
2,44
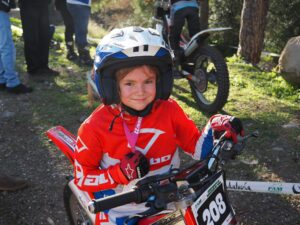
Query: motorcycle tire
x,y
210,61
75,212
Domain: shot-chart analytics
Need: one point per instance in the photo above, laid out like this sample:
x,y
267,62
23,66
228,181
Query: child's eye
x,y
149,81
128,84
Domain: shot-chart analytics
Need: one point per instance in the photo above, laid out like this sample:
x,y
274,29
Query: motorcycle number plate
x,y
212,206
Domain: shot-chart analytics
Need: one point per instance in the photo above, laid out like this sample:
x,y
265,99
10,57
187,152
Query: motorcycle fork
x,y
83,198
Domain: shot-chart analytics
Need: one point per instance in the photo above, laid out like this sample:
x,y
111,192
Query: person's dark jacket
x,y
60,4
6,5
33,2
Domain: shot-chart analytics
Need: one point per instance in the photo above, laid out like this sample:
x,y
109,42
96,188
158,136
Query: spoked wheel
x,y
75,212
210,80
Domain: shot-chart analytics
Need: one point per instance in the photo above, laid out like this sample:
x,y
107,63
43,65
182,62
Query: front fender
x,y
192,45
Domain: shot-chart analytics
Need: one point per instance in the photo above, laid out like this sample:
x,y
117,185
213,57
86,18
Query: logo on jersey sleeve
x,y
156,133
80,146
95,180
162,159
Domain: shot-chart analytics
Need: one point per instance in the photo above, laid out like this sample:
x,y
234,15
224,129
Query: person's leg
x,y
8,75
69,31
81,30
30,22
69,24
2,79
80,23
193,21
178,20
44,36
44,41
177,23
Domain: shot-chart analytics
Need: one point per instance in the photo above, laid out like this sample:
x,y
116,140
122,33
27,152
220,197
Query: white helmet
x,y
127,47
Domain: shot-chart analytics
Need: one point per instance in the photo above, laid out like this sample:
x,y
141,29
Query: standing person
x,y
180,11
80,11
9,79
61,6
138,125
36,34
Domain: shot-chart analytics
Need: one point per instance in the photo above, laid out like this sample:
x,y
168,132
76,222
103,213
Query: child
x,y
138,130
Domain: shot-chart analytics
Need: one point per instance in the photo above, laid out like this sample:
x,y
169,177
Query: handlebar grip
x,y
98,205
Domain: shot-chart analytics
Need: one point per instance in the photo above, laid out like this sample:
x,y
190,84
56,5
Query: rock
x,y
250,162
292,124
278,149
50,221
289,62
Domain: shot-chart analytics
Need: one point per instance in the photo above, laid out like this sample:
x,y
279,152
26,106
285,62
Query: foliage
x,y
16,22
283,20
143,11
283,23
226,14
267,83
97,6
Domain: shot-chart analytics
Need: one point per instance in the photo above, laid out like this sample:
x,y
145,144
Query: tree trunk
x,y
204,13
253,23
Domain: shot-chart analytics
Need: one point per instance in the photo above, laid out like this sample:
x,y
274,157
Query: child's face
x,y
138,88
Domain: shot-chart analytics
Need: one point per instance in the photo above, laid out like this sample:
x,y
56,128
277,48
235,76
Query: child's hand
x,y
134,165
229,124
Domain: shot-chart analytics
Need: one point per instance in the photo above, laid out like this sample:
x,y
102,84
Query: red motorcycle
x,y
195,195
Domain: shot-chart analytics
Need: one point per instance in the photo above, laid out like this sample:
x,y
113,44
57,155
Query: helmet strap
x,y
140,113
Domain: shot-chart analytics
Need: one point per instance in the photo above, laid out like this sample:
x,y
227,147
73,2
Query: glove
x,y
229,124
134,165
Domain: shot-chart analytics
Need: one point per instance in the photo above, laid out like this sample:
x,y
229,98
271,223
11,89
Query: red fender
x,y
64,140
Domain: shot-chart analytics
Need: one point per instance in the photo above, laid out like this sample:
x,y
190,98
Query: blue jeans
x,y
8,74
80,15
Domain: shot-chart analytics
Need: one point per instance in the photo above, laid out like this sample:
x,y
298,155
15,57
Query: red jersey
x,y
163,132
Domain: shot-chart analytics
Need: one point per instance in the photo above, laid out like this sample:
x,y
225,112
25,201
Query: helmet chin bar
x,y
140,113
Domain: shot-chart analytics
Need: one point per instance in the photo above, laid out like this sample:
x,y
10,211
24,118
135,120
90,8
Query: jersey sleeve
x,y
88,155
190,139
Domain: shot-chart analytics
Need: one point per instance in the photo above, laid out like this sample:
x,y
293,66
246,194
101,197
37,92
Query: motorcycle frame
x,y
195,41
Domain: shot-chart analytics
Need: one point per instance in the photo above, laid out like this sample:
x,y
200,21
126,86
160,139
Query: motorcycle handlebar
x,y
113,201
141,194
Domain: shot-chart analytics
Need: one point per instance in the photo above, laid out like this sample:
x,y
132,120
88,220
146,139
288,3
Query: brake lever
x,y
242,142
254,134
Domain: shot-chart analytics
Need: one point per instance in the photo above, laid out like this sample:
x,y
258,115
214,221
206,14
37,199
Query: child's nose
x,y
140,88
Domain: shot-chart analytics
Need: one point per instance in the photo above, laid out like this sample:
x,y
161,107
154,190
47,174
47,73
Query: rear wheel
x,y
210,83
75,212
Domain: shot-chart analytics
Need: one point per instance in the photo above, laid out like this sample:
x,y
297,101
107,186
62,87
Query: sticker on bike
x,y
212,207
